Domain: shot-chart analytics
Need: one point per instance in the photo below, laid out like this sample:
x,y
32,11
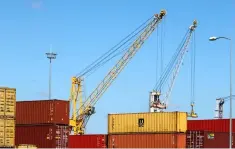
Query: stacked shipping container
x,y
7,117
43,136
214,125
147,130
208,139
213,133
44,123
138,130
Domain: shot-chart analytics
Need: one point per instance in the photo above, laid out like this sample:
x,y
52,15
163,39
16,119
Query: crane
x,y
219,106
173,67
81,115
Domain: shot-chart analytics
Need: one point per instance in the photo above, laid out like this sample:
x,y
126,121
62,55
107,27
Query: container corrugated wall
x,y
7,132
214,125
42,112
7,102
43,136
167,122
207,139
167,140
88,141
7,116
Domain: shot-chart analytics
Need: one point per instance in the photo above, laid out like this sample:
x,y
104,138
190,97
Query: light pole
x,y
230,115
50,56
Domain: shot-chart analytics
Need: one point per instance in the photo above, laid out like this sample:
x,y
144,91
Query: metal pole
x,y
50,81
50,56
230,135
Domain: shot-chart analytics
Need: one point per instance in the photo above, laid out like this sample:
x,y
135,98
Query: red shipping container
x,y
204,139
166,140
88,141
43,136
42,112
214,125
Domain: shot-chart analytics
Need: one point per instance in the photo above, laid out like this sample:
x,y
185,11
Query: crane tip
x,y
195,22
161,14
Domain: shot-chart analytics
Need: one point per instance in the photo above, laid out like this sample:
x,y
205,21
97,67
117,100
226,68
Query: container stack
x,y
7,117
209,133
43,123
208,139
147,130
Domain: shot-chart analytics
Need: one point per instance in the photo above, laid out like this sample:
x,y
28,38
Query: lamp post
x,y
50,56
230,113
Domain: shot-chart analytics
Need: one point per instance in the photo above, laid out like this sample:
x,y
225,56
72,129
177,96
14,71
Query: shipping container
x,y
42,112
214,125
7,132
207,139
157,140
88,141
158,122
7,102
43,136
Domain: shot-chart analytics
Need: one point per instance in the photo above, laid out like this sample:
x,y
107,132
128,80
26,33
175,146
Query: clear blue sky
x,y
80,31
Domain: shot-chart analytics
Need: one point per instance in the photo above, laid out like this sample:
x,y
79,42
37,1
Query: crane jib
x,y
95,95
87,108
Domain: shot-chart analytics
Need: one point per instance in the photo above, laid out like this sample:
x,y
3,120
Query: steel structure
x,y
173,67
81,115
219,109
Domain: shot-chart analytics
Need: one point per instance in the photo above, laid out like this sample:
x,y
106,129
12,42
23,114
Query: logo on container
x,y
141,122
210,136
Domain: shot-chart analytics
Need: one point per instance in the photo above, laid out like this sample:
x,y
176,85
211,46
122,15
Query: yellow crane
x,y
81,114
172,69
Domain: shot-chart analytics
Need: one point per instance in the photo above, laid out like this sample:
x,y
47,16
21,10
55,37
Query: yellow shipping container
x,y
7,101
159,122
7,132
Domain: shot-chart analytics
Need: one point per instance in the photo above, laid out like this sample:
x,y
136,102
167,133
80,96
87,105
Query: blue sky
x,y
80,31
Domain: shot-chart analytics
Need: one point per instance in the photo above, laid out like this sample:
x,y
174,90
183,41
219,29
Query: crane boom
x,y
81,116
179,62
174,65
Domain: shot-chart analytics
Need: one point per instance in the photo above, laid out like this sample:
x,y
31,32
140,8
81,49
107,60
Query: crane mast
x,y
81,115
156,105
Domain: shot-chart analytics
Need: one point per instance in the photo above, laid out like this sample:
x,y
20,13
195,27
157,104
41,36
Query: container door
x,y
51,113
195,139
10,103
61,136
9,133
101,141
2,133
2,101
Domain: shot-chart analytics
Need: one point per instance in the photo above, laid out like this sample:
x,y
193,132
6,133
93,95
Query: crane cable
x,y
95,63
227,98
170,65
104,62
93,102
173,62
193,54
157,56
162,45
123,50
